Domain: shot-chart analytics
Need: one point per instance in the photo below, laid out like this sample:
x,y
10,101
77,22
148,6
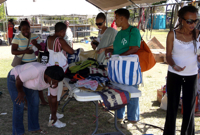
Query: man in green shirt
x,y
127,41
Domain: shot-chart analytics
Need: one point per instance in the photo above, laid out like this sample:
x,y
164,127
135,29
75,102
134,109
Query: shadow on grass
x,y
86,114
4,45
3,84
155,103
158,113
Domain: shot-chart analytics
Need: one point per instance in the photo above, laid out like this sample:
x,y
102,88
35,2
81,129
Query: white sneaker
x,y
128,125
59,124
58,115
112,120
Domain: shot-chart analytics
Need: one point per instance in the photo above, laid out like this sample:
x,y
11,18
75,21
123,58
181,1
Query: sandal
x,y
40,131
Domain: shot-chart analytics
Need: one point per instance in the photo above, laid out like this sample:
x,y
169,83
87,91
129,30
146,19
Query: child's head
x,y
24,28
60,29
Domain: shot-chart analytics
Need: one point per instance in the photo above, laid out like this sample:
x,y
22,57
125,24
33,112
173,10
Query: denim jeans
x,y
32,97
133,110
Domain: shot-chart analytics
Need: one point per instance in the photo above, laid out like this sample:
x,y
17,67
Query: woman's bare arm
x,y
65,46
14,50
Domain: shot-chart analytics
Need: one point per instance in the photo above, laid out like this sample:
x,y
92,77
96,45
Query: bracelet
x,y
173,66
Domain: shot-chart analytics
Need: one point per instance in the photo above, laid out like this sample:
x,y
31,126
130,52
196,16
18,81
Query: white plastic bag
x,y
163,104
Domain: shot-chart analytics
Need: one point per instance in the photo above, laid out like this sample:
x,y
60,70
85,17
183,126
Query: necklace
x,y
183,36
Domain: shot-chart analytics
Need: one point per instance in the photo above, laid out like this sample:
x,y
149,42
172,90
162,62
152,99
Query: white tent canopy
x,y
50,7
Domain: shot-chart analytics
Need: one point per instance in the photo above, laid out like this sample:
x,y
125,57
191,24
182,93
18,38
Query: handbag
x,y
17,60
125,69
71,58
115,98
43,56
146,58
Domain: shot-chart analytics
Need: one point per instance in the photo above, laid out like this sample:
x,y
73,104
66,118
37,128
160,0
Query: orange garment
x,y
10,31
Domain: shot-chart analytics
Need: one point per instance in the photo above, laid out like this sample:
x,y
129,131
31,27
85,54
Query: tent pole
x,y
74,27
41,25
134,4
106,18
6,25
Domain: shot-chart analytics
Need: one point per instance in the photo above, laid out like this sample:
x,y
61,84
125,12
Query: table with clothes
x,y
82,95
88,81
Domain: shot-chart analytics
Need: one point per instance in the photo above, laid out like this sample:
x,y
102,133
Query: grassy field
x,y
79,116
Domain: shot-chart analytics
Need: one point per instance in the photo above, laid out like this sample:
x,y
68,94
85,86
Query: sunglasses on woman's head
x,y
190,21
99,24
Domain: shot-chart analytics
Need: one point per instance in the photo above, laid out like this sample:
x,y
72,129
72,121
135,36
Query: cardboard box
x,y
155,44
160,94
159,56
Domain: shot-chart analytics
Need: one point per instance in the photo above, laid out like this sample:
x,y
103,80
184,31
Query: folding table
x,y
84,96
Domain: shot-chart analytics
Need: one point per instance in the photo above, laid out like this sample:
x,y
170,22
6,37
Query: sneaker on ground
x,y
58,115
112,120
129,125
59,124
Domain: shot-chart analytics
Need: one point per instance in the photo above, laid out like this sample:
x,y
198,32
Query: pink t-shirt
x,y
32,75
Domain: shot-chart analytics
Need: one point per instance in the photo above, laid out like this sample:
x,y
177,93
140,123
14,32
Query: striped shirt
x,y
22,42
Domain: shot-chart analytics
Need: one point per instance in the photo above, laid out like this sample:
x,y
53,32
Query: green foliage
x,y
158,3
91,21
2,12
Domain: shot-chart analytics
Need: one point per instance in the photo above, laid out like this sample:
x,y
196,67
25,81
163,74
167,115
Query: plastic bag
x,y
84,55
163,104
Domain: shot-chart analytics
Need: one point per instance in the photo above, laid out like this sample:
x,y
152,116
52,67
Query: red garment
x,y
113,25
10,31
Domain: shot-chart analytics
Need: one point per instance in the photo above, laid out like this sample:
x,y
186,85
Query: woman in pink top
x,y
25,81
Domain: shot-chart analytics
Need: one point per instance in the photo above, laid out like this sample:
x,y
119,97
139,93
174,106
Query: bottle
x,y
56,64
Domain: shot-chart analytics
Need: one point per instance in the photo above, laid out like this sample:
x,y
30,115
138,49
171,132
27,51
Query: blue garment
x,y
133,110
32,97
99,79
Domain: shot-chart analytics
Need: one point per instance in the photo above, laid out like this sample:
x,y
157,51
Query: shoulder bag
x,y
17,60
43,57
146,58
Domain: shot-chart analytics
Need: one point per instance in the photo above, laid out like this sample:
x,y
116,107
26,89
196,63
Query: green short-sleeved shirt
x,y
122,41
